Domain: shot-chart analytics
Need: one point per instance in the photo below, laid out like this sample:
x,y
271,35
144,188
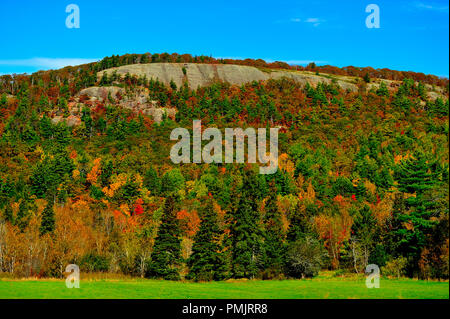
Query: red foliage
x,y
138,210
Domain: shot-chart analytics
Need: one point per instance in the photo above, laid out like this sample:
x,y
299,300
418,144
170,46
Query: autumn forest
x,y
363,175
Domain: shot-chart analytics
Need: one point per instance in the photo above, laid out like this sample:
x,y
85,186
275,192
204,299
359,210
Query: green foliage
x,y
413,177
92,262
8,214
172,181
207,259
247,248
152,181
166,255
382,89
395,267
48,219
305,258
49,173
274,248
342,152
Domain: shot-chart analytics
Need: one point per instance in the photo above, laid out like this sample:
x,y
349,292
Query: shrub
x,y
305,258
93,262
395,267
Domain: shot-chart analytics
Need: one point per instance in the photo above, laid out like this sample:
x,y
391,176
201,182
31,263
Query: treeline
x,y
87,73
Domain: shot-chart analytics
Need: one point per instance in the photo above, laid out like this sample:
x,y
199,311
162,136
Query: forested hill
x,y
86,177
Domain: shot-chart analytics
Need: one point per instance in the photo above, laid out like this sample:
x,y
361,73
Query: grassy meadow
x,y
321,287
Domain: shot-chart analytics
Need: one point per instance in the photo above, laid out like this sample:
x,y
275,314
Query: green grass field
x,y
321,287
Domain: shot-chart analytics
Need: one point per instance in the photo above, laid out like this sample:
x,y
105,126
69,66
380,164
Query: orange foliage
x,y
93,175
334,230
190,222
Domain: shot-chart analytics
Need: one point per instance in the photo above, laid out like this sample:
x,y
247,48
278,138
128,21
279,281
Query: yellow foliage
x,y
300,181
95,172
285,164
125,209
117,182
75,174
139,180
371,188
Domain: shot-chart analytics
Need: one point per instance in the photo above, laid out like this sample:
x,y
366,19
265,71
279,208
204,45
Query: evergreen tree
x,y
87,120
207,262
152,181
366,78
46,127
166,255
274,249
23,215
48,219
300,225
8,214
246,232
414,177
382,90
106,172
172,181
3,101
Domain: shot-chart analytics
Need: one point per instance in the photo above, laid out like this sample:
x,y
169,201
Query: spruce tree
x,y
207,261
246,232
274,248
414,177
48,219
166,255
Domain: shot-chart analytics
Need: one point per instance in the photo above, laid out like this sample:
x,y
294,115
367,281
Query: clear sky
x,y
413,35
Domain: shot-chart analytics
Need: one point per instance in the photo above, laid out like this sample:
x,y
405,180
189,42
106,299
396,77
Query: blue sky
x,y
413,34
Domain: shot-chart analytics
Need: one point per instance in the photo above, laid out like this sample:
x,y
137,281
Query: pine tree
x,y
246,232
207,261
166,255
273,236
48,219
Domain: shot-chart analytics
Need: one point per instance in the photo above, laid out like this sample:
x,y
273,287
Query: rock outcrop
x,y
197,74
137,101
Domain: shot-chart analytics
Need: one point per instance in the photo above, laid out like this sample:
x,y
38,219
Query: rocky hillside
x,y
197,75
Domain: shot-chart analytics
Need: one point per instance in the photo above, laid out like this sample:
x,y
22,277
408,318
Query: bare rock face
x,y
137,101
71,120
434,95
198,74
57,119
102,93
158,113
